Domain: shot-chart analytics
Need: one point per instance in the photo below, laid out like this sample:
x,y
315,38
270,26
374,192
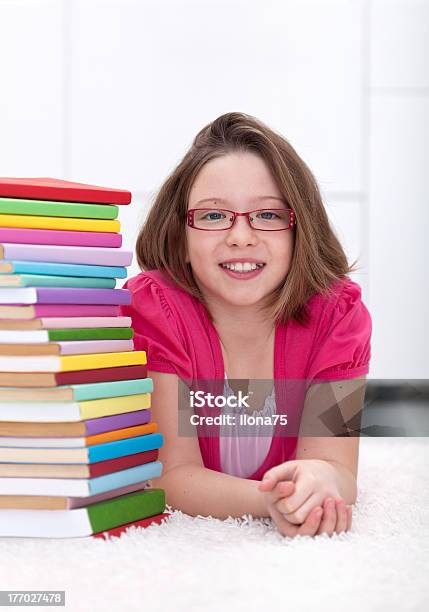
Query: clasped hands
x,y
303,498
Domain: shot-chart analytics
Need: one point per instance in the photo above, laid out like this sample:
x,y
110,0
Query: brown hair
x,y
318,258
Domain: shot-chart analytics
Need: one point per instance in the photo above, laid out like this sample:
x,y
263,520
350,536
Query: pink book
x,y
79,322
58,237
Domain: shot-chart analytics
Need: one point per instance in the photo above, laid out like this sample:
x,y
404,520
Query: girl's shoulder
x,y
156,287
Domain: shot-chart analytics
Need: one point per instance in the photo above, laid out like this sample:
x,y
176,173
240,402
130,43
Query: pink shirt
x,y
174,329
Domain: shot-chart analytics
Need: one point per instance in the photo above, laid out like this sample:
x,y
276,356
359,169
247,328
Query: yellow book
x,y
59,223
71,363
57,412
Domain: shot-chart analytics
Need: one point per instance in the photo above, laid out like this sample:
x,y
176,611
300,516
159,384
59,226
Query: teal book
x,y
111,389
41,280
61,269
45,208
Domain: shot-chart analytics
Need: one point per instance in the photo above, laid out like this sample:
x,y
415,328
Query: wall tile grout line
x,y
66,9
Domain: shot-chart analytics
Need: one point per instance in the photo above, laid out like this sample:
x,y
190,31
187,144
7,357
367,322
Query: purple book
x,y
117,421
64,295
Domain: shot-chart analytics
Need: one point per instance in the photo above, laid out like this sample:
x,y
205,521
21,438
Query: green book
x,y
90,333
82,522
126,509
45,208
46,280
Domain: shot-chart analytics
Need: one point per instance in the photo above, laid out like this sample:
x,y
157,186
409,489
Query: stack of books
x,y
77,445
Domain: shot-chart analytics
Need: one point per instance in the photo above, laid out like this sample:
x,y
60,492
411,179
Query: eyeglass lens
x,y
218,219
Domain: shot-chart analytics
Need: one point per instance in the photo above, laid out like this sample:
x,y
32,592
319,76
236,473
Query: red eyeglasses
x,y
263,219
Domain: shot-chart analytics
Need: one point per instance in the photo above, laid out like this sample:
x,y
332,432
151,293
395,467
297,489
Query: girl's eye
x,y
269,212
211,216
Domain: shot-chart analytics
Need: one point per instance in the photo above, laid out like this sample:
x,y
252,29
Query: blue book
x,y
120,448
86,454
61,269
81,487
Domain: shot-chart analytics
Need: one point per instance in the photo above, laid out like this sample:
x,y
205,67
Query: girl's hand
x,y
314,480
335,517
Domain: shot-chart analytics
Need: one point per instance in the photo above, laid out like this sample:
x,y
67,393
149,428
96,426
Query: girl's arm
x,y
189,486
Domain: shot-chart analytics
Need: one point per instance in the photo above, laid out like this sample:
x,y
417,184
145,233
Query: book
x,y
41,280
82,521
64,295
60,237
89,454
62,502
48,380
61,269
60,223
72,411
20,312
88,427
70,363
45,188
81,441
66,254
77,393
46,208
78,470
62,334
79,487
117,532
49,323
80,347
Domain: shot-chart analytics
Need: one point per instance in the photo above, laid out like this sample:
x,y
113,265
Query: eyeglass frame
x,y
191,212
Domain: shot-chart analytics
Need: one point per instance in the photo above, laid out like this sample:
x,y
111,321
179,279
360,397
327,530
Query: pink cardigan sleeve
x,y
155,328
342,349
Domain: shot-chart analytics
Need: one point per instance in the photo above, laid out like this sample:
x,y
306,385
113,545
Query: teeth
x,y
242,267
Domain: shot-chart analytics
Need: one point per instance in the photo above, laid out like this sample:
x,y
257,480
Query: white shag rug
x,y
245,564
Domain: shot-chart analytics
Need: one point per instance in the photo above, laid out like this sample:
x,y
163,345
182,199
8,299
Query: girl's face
x,y
240,182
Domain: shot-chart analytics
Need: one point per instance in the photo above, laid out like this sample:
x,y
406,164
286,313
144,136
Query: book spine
x,y
132,507
58,237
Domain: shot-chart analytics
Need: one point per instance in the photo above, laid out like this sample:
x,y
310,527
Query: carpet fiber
x,y
245,564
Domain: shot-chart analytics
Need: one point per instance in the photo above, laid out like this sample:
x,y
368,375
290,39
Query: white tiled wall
x,y
113,91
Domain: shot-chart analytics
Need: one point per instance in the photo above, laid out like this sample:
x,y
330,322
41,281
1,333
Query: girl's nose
x,y
241,232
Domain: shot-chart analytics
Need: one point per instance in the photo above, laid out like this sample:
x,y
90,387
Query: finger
x,y
341,516
312,522
282,489
349,517
285,528
284,471
329,520
309,527
293,505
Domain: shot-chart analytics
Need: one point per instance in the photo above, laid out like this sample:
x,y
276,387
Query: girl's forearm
x,y
198,490
346,482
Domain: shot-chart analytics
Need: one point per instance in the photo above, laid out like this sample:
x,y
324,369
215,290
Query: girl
x,y
245,279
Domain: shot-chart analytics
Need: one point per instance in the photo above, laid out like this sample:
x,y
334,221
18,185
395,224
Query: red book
x,y
117,531
101,375
121,463
59,190
53,379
